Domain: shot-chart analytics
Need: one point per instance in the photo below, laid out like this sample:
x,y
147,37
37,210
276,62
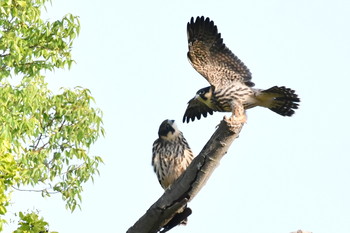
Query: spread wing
x,y
211,58
195,108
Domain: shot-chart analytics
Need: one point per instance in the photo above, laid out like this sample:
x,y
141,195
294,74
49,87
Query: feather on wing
x,y
196,109
210,56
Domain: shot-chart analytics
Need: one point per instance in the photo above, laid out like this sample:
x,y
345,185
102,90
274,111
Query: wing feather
x,y
210,56
196,109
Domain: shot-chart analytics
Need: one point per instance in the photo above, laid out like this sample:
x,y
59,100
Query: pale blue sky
x,y
281,175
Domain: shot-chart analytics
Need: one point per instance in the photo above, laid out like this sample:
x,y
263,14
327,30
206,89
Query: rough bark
x,y
191,182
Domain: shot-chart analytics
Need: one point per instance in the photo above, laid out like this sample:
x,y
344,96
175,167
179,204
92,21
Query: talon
x,y
241,119
230,122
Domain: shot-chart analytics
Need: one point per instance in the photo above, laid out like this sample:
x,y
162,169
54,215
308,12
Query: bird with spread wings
x,y
231,88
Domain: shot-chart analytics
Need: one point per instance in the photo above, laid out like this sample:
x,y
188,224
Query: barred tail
x,y
281,100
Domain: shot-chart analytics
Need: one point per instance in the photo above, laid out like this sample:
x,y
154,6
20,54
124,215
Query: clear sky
x,y
280,175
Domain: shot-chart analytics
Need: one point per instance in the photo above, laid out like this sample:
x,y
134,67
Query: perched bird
x,y
171,157
231,88
171,154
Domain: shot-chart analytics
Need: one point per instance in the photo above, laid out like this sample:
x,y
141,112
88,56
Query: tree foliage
x,y
30,222
44,137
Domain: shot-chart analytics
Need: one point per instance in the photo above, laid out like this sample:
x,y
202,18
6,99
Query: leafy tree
x,y
44,137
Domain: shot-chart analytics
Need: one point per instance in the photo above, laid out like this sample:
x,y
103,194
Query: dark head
x,y
204,93
168,130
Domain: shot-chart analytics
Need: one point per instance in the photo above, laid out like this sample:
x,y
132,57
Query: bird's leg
x,y
238,113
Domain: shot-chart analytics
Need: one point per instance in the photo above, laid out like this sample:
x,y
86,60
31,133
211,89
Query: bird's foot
x,y
240,119
234,120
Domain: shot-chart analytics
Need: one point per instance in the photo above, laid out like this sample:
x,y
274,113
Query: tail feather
x,y
281,100
178,219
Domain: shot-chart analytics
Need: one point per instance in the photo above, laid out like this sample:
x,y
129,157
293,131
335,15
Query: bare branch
x,y
191,182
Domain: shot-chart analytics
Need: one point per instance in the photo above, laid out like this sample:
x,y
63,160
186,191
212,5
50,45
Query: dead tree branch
x,y
191,182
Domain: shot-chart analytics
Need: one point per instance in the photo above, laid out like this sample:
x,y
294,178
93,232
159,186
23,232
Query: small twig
x,y
38,141
34,190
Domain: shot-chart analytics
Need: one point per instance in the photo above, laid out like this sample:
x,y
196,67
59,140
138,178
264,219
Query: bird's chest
x,y
224,98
